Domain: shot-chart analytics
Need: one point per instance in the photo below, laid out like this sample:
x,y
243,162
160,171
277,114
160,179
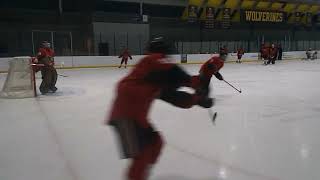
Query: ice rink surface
x,y
269,132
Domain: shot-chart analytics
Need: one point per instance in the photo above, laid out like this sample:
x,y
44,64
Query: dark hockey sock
x,y
139,168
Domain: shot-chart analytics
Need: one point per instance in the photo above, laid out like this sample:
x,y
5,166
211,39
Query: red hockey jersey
x,y
212,66
135,89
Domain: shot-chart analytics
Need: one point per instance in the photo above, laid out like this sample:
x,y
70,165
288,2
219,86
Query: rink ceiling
x,y
269,132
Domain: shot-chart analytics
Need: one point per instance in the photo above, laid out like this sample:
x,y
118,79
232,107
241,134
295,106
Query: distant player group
x,y
270,54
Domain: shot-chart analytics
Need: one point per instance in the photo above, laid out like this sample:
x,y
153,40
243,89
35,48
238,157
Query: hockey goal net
x,y
20,82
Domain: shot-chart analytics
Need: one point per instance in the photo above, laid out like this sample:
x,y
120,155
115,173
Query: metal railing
x,y
74,44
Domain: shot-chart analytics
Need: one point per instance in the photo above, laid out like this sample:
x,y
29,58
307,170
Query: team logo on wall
x,y
192,13
226,18
262,16
209,17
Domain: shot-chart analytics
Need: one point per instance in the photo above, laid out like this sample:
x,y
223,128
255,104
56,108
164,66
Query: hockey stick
x,y
232,86
39,65
62,75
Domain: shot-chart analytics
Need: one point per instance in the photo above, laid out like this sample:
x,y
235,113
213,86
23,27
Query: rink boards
x,y
113,61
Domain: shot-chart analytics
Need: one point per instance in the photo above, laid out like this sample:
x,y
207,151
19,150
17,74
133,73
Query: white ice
x,y
269,132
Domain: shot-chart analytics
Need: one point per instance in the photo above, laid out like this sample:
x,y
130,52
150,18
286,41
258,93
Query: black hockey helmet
x,y
160,45
45,44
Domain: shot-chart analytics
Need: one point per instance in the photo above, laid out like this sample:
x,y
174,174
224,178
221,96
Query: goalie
x,y
49,74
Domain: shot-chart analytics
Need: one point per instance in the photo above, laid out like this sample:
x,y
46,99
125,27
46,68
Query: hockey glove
x,y
218,76
206,102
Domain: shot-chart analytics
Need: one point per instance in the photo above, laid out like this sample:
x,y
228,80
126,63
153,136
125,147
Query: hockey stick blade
x,y
213,116
62,75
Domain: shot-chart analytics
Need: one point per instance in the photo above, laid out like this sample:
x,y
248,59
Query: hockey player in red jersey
x,y
207,70
273,52
223,52
124,55
265,53
49,74
154,77
240,53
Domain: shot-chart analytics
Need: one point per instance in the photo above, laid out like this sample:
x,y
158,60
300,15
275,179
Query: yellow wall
x,y
231,4
214,3
247,4
262,5
276,6
289,7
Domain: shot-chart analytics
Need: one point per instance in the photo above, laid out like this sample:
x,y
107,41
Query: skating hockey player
x,y
207,70
154,77
49,74
240,53
309,53
223,52
315,55
264,53
273,52
124,55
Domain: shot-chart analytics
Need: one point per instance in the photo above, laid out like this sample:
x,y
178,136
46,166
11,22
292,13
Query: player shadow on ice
x,y
177,177
65,92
